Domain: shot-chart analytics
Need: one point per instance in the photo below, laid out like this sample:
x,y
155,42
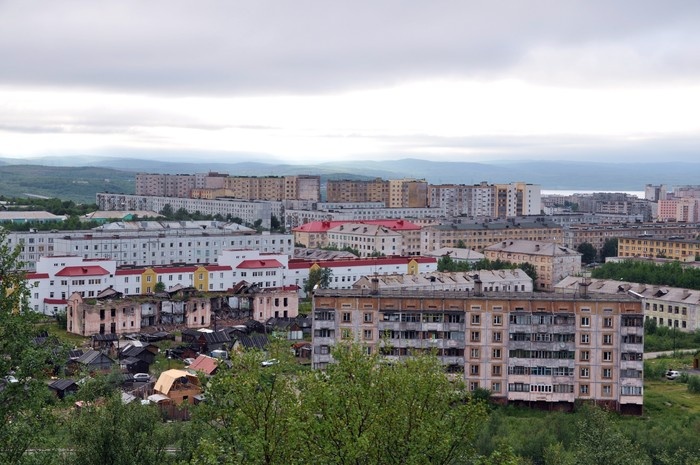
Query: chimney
x,y
478,286
374,287
537,247
583,288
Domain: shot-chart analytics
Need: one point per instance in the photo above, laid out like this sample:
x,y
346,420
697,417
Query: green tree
x,y
600,441
25,415
159,287
362,410
445,263
318,276
529,269
167,211
588,252
251,415
609,249
115,433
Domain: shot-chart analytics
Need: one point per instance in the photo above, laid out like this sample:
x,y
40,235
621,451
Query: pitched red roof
x,y
323,226
89,270
248,264
37,275
55,301
129,271
205,364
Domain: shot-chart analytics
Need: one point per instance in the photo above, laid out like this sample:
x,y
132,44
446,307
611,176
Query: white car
x,y
672,374
142,377
11,379
269,363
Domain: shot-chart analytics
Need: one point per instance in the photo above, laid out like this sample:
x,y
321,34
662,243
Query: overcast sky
x,y
305,81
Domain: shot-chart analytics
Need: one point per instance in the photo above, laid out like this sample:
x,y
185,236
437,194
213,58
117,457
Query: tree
x,y
318,276
159,287
529,269
167,211
24,406
588,252
363,410
115,433
609,249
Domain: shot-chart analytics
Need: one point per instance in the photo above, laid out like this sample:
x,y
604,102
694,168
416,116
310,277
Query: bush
x,y
694,384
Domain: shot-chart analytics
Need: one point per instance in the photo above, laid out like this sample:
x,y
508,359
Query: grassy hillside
x,y
77,184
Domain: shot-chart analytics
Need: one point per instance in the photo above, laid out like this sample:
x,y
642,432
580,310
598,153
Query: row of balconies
x,y
405,326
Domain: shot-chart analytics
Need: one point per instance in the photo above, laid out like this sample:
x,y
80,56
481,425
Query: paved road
x,y
649,355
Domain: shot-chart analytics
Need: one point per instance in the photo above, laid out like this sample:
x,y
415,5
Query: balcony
x,y
323,324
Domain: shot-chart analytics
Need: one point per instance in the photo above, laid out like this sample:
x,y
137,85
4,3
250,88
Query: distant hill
x,y
79,184
81,177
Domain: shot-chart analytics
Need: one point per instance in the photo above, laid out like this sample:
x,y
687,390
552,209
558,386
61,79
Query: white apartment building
x,y
368,239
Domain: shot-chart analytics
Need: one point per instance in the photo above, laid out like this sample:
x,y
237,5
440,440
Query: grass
x,y
73,340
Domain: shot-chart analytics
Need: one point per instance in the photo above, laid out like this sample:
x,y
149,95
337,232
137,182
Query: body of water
x,y
639,194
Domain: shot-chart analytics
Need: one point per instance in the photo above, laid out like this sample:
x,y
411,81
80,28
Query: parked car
x,y
188,361
269,363
142,377
672,374
11,379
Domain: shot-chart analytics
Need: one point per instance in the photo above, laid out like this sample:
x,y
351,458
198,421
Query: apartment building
x,y
552,262
685,250
685,209
490,280
147,242
546,350
295,217
479,235
248,211
167,185
343,190
345,272
485,200
667,306
387,236
407,193
112,313
597,234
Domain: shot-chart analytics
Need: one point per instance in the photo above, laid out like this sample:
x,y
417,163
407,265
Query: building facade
x,y
548,350
651,246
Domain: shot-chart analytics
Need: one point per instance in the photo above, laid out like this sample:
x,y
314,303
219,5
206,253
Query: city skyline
x,y
310,81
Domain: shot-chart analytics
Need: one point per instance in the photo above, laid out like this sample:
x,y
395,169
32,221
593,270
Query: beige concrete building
x,y
479,235
676,249
667,306
491,281
343,190
407,193
552,262
546,350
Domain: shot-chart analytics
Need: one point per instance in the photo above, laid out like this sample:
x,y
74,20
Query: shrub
x,y
694,384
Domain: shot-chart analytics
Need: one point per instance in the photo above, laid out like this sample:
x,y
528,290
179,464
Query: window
x,y
497,336
474,353
496,387
496,370
585,372
607,322
607,373
476,319
345,333
607,356
583,389
607,339
475,336
346,317
607,390
474,370
496,353
585,321
367,334
497,320
585,338
367,317
585,355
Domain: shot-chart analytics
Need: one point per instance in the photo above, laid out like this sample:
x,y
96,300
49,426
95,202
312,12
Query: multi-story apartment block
x,y
390,237
685,209
166,185
376,190
667,306
147,242
294,217
537,349
248,211
478,235
651,246
597,234
408,193
487,200
552,262
655,193
111,313
491,280
345,272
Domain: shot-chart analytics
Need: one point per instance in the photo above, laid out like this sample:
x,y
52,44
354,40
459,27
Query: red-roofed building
x,y
205,364
315,234
87,270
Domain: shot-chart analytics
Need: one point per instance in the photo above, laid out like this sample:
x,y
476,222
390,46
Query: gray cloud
x,y
236,47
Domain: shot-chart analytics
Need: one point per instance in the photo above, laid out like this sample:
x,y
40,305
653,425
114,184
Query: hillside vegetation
x,y
77,184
